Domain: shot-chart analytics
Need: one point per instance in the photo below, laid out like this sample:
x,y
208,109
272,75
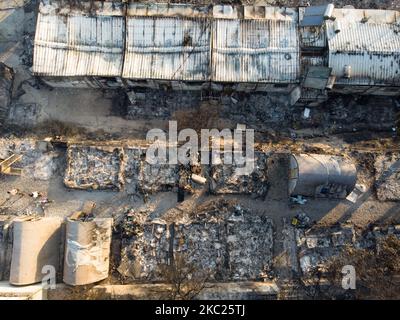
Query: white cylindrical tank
x,y
321,175
329,11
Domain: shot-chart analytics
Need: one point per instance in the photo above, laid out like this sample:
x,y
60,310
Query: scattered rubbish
x,y
43,201
198,179
224,178
35,194
83,216
359,189
6,165
43,146
306,113
131,96
301,220
94,167
13,192
298,199
88,207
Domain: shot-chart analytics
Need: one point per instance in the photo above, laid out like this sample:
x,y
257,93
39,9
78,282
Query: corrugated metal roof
x,y
368,42
76,44
174,48
265,49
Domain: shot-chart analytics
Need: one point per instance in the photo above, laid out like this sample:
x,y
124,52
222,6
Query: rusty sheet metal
x,y
168,10
263,48
167,48
368,41
69,42
88,8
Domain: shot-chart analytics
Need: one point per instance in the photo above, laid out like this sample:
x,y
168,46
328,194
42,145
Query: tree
x,y
185,278
377,271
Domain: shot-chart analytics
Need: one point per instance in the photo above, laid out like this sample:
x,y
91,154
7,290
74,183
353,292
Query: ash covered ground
x,y
229,228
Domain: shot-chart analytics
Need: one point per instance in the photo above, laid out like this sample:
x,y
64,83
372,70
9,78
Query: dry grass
x,y
58,128
204,117
377,271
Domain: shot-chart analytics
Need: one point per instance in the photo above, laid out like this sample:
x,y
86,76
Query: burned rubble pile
x,y
36,160
144,245
342,114
99,167
272,112
258,109
317,246
157,177
134,157
111,168
227,240
94,168
225,180
387,177
39,159
265,110
160,104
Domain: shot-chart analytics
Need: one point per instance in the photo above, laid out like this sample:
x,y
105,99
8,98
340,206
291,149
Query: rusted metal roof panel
x,y
175,47
167,10
262,48
72,42
367,44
